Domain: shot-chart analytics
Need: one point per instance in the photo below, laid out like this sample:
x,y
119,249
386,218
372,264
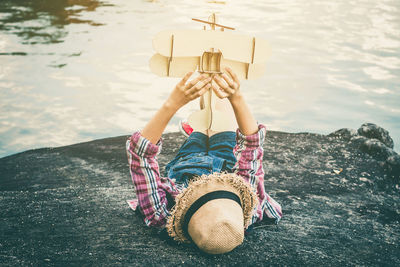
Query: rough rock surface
x,y
339,193
371,130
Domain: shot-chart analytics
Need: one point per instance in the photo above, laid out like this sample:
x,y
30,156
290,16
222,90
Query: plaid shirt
x,y
152,189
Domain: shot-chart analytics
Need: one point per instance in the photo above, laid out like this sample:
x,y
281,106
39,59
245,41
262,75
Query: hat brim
x,y
203,185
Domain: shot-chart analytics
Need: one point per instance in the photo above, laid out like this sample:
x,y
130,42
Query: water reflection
x,y
65,80
40,21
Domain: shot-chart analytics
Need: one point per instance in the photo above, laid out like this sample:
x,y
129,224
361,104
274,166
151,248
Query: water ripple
x,y
76,70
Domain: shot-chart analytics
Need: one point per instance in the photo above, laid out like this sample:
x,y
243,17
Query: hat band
x,y
203,200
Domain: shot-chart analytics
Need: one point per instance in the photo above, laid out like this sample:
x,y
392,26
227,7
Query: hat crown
x,y
220,227
217,227
221,239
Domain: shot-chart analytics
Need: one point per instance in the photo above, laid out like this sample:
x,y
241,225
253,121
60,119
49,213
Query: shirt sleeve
x,y
249,155
144,169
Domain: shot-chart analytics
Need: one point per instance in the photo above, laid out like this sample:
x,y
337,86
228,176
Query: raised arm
x,y
227,85
248,150
183,93
143,147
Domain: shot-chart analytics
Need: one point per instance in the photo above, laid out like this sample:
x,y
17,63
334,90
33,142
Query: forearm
x,y
245,120
228,86
156,126
183,93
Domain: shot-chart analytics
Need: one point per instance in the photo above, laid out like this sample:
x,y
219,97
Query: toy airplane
x,y
208,51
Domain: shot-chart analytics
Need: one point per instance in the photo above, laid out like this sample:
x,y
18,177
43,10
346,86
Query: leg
x,y
221,146
225,115
196,143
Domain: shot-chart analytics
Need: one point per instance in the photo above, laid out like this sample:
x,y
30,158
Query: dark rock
x,y
371,130
393,164
358,140
66,206
344,133
376,149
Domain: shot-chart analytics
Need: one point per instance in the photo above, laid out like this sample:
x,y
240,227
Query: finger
x,y
185,78
218,91
224,86
205,89
194,81
233,75
198,86
221,82
201,92
228,80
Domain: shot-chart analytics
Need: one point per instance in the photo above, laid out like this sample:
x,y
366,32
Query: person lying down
x,y
213,190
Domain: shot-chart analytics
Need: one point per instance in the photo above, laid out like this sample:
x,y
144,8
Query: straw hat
x,y
213,212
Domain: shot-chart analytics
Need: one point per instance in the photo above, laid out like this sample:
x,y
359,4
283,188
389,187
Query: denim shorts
x,y
201,154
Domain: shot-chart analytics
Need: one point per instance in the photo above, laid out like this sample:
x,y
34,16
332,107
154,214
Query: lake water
x,y
77,70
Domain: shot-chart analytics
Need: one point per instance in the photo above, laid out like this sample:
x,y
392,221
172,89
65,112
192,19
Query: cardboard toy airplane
x,y
208,51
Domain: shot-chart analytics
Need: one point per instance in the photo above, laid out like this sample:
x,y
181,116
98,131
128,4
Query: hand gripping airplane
x,y
208,51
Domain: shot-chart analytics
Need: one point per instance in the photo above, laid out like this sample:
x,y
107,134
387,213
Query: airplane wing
x,y
179,66
192,43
